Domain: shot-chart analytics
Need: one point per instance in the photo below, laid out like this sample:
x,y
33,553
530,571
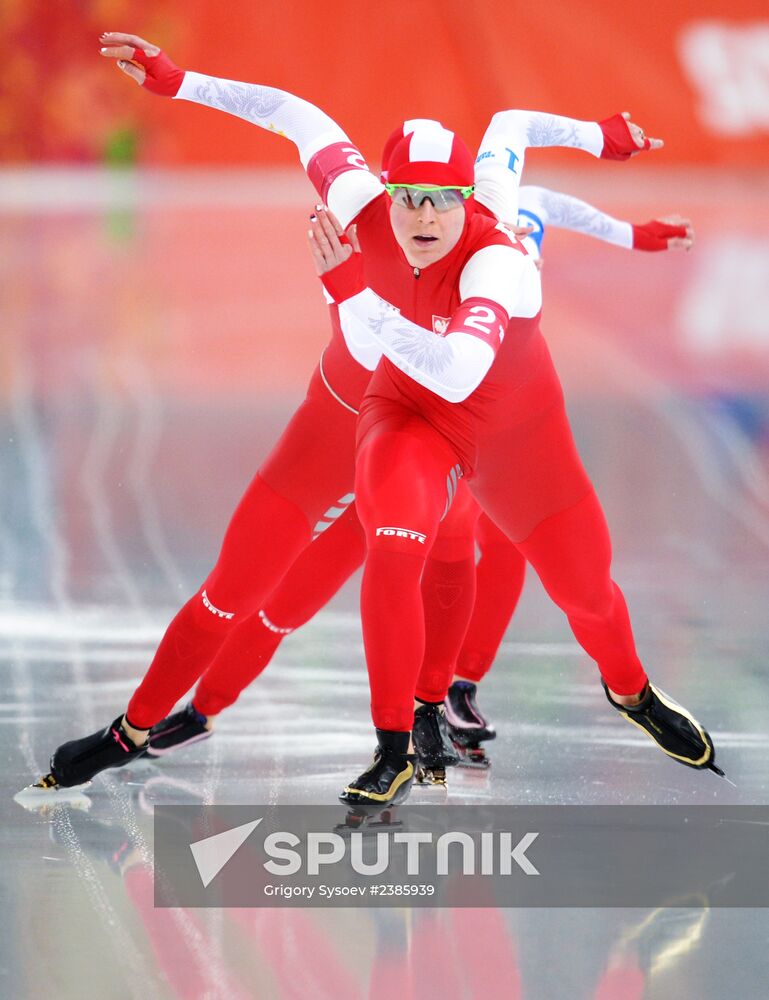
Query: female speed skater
x,y
467,606
481,401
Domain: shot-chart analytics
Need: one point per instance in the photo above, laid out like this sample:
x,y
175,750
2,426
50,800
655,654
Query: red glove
x,y
163,77
618,143
346,279
654,235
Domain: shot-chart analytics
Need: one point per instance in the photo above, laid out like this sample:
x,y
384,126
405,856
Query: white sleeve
x,y
500,160
455,365
565,212
309,128
451,367
340,175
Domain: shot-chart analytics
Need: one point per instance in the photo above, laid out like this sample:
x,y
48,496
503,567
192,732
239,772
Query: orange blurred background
x,y
694,71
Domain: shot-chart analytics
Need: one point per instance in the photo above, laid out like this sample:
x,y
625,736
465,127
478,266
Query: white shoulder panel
x,y
495,273
350,192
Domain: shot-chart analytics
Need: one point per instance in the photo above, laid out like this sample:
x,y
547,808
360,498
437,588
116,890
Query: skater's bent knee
x,y
590,606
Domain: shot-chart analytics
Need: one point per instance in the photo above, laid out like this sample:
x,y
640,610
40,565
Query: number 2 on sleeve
x,y
482,319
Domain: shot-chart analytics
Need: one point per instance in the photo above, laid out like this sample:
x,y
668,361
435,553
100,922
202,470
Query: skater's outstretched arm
x,y
334,165
543,207
501,155
499,168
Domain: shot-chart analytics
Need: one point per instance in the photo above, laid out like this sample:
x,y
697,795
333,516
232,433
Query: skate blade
x,y
475,765
721,774
471,753
42,796
369,820
473,757
431,776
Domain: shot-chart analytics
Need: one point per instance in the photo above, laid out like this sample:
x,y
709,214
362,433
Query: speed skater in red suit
x,y
436,409
481,401
464,621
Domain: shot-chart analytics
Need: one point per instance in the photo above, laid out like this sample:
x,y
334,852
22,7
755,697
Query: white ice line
x,y
744,457
307,983
95,466
61,596
651,392
35,463
296,742
107,625
126,955
543,648
87,624
41,505
149,421
20,679
210,964
9,562
697,449
60,654
22,690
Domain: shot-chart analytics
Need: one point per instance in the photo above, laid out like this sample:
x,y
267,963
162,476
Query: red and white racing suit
x,y
467,606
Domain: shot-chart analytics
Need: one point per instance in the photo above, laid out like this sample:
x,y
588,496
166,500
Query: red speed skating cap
x,y
427,154
404,129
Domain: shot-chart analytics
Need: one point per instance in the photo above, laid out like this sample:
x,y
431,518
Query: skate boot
x,y
178,730
76,762
467,726
432,744
675,731
387,780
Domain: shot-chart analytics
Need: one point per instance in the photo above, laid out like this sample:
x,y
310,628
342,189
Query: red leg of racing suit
x,y
530,480
310,468
321,569
500,574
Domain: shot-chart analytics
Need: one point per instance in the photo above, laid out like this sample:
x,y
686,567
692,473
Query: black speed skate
x,y
178,730
467,725
76,762
388,779
675,731
432,744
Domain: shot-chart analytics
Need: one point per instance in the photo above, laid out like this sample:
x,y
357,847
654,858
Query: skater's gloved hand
x,y
674,232
336,254
622,138
143,62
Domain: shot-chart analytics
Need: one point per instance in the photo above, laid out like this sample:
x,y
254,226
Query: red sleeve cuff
x,y
618,143
163,76
655,235
345,280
